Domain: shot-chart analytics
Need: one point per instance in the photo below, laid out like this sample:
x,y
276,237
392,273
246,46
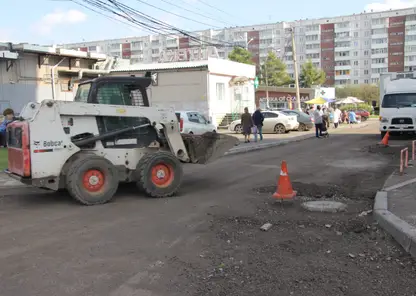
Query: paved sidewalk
x,y
273,140
395,208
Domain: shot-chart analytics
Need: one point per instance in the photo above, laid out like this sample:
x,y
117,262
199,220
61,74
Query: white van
x,y
398,103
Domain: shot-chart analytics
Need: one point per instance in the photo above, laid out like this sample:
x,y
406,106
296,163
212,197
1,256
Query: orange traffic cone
x,y
284,186
385,141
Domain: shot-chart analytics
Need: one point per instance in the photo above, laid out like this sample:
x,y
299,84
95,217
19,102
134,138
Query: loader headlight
x,y
384,119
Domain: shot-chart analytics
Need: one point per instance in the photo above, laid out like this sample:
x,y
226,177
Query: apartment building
x,y
351,49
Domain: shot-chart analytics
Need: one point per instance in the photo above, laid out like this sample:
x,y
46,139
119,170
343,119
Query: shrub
x,y
362,106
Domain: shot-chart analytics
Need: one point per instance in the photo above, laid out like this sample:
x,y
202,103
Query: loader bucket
x,y
208,147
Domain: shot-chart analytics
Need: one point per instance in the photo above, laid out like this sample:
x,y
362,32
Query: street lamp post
x,y
248,42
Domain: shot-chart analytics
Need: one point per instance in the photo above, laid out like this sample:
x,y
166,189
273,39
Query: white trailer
x,y
398,103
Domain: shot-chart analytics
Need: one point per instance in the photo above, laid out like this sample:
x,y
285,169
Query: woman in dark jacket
x,y
247,124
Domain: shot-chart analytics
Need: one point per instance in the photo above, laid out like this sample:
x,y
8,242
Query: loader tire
x,y
159,174
92,180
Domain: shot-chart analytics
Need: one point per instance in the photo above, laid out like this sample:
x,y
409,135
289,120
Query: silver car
x,y
274,122
305,120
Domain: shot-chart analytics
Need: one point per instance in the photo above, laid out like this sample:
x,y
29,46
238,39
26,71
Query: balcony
x,y
342,77
342,48
313,50
314,32
344,29
379,36
380,45
410,63
318,41
173,44
380,55
381,65
342,58
410,42
380,26
343,67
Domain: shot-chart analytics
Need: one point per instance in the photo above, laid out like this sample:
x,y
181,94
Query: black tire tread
x,y
72,185
302,125
275,128
142,169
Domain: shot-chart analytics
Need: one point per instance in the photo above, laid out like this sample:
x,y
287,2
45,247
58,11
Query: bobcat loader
x,y
108,135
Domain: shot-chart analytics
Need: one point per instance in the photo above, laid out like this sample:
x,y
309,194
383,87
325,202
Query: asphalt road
x,y
206,241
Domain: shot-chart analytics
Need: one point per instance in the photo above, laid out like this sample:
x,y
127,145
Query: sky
x,y
63,21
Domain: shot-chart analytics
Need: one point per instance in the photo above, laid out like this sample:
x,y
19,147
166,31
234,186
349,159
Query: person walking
x,y
337,117
317,116
258,119
247,124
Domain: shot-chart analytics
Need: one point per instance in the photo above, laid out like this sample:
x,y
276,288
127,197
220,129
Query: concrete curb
x,y
403,232
245,149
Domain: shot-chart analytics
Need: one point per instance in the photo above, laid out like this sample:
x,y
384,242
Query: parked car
x,y
363,114
274,122
305,120
193,122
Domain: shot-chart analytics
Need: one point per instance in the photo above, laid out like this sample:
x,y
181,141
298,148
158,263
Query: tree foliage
x,y
275,71
241,55
365,92
311,75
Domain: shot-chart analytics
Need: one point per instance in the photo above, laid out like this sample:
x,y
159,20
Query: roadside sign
x,y
256,82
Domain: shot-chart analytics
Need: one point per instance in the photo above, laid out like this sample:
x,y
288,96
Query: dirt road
x,y
207,240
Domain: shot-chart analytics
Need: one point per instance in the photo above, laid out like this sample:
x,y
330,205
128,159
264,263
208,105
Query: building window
x,y
355,81
366,81
356,34
365,72
355,63
220,91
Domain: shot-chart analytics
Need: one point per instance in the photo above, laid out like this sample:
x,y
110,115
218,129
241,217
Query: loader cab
x,y
115,90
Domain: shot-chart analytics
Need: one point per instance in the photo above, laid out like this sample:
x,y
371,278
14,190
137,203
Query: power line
x,y
128,13
196,13
178,15
203,11
216,8
109,17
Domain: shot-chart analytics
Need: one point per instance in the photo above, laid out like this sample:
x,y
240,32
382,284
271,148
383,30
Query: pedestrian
x,y
247,124
317,116
258,119
8,117
337,117
325,126
352,118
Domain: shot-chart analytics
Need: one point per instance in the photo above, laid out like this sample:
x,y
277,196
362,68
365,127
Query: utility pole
x,y
267,83
295,65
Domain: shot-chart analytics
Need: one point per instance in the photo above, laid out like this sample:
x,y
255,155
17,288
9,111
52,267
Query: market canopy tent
x,y
318,101
350,100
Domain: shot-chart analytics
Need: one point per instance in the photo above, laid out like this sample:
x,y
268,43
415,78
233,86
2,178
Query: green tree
x,y
241,55
311,75
365,92
275,71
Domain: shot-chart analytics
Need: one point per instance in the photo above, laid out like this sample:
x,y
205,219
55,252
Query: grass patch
x,y
3,159
373,116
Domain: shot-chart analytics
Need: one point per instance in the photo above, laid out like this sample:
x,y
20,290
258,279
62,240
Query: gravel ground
x,y
303,253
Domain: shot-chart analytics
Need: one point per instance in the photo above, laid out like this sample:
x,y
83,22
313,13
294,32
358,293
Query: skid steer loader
x,y
108,135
